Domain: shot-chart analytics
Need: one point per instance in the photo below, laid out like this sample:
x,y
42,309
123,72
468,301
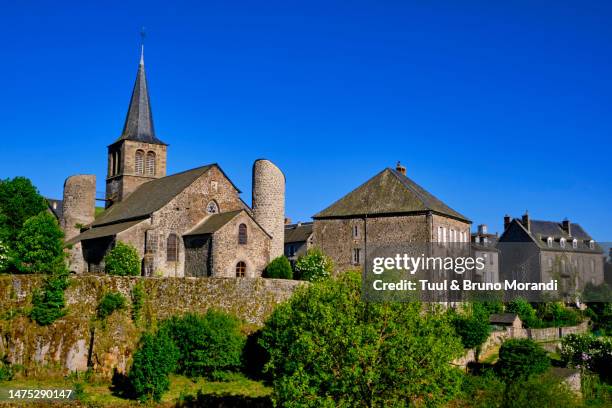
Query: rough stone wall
x,y
269,203
449,224
66,344
79,210
586,267
227,252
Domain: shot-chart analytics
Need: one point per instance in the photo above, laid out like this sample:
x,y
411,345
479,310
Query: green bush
x,y
328,348
5,258
279,268
555,314
138,297
314,266
473,330
122,260
588,351
520,359
154,360
48,303
525,311
207,343
110,302
39,247
19,201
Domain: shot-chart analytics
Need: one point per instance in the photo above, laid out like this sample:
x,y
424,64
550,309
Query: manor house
x,y
192,223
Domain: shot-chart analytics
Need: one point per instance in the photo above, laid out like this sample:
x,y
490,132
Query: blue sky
x,y
494,107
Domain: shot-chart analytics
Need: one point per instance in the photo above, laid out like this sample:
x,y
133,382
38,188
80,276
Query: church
x,y
190,224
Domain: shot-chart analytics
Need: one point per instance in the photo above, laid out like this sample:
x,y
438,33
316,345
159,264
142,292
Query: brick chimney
x,y
507,220
567,227
526,221
400,169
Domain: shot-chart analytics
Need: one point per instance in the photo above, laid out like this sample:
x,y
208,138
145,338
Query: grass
x,y
99,393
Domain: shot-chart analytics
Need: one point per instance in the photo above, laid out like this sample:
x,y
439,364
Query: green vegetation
x,y
48,303
551,314
5,258
279,268
328,348
122,260
109,303
98,211
599,303
138,297
19,201
472,329
314,266
590,352
207,344
520,359
39,247
154,360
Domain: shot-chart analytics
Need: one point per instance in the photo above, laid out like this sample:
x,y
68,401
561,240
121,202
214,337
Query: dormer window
x,y
549,242
591,244
562,242
575,243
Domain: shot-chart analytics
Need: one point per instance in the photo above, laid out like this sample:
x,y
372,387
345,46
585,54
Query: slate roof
x,y
541,230
151,196
56,207
298,232
213,223
505,318
105,231
389,192
139,119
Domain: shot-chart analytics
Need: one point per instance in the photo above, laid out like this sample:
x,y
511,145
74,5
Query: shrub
x,y
473,330
39,247
588,351
154,360
557,315
110,302
520,359
122,260
19,201
5,259
48,303
525,311
329,348
138,296
207,343
314,266
279,268
544,391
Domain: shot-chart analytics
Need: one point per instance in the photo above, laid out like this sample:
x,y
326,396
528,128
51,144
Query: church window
x,y
212,208
139,162
240,269
150,164
172,248
111,165
242,234
355,231
356,256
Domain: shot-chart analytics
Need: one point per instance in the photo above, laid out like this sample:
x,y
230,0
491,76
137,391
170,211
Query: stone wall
x,y
77,340
269,203
79,203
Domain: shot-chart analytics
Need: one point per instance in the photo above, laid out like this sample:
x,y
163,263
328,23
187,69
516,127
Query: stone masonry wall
x,y
79,210
77,341
269,203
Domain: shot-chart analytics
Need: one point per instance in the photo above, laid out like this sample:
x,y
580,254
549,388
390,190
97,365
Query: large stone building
x,y
484,245
192,223
298,240
388,210
538,251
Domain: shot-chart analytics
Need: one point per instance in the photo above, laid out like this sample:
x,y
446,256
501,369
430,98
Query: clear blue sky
x,y
494,107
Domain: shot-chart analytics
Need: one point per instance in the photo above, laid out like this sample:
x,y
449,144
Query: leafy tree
x,y
207,343
599,302
329,348
122,260
154,360
525,311
473,330
19,200
39,247
314,266
279,268
48,304
520,359
110,302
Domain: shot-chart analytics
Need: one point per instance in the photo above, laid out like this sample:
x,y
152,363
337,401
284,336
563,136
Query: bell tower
x,y
138,155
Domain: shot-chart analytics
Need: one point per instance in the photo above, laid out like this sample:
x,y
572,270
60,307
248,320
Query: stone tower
x,y
79,203
138,155
269,203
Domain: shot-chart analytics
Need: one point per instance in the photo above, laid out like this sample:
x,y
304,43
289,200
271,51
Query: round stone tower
x,y
269,203
79,204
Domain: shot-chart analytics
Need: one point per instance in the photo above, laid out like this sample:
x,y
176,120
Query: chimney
x,y
400,169
507,220
567,226
482,229
526,222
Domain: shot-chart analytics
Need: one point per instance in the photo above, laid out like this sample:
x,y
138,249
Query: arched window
x,y
549,242
172,248
562,242
212,208
592,244
139,162
242,234
150,164
240,269
575,243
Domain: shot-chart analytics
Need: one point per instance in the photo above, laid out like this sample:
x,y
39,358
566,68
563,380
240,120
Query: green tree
x,y
329,348
520,359
5,259
314,266
109,303
48,303
19,201
40,247
207,343
473,329
525,311
154,360
279,268
122,260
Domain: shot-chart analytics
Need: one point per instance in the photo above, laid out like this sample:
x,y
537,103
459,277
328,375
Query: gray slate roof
x,y
298,233
139,119
389,192
213,223
56,207
505,318
105,231
150,197
541,230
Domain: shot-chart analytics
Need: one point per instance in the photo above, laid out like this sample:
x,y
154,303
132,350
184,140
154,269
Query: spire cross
x,y
143,34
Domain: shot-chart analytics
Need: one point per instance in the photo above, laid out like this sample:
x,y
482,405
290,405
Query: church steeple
x,y
139,119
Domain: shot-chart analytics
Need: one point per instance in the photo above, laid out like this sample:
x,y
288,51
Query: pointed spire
x,y
139,119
